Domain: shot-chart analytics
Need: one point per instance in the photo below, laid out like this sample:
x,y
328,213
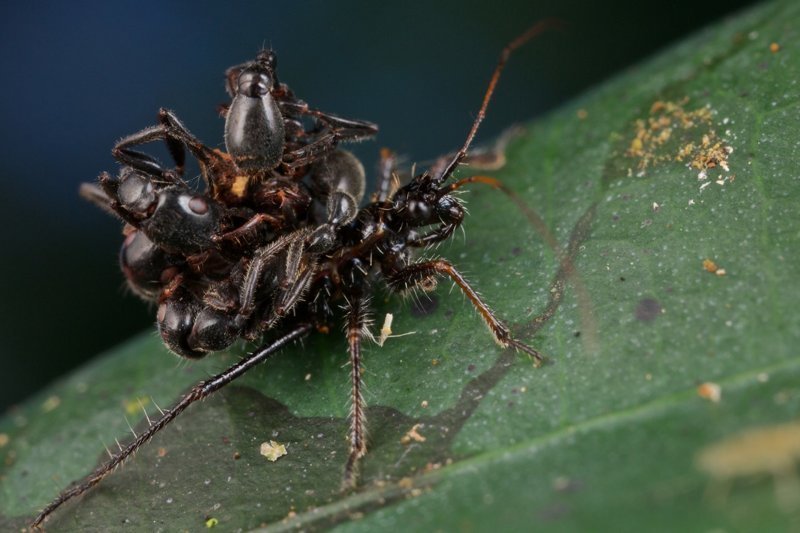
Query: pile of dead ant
x,y
277,240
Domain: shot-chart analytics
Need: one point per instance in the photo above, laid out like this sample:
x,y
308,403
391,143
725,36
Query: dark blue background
x,y
79,75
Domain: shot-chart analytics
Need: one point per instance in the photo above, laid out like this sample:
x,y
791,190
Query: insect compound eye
x,y
254,84
418,210
136,193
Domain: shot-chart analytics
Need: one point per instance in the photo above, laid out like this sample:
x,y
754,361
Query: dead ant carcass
x,y
189,251
224,266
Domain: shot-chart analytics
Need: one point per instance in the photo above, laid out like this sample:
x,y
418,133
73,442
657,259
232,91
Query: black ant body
x,y
226,264
190,251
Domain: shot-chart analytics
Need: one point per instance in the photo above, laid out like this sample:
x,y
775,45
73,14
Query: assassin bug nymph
x,y
286,283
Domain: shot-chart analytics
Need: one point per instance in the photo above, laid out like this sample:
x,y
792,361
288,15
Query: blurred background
x,y
78,76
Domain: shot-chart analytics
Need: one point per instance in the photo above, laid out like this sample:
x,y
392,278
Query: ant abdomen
x,y
212,331
176,317
146,266
254,131
192,329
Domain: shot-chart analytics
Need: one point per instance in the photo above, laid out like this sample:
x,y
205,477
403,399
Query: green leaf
x,y
613,435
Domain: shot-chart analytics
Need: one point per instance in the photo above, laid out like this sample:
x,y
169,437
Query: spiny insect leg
x,y
356,321
421,273
198,392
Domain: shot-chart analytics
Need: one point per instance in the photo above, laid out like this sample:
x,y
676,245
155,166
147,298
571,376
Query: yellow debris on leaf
x,y
710,391
51,403
273,450
412,435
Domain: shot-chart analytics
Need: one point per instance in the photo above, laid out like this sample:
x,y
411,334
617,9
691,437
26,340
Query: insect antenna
x,y
529,34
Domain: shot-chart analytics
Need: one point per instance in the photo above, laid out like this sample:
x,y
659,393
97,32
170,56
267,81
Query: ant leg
x,y
292,294
356,322
321,146
103,196
423,273
263,258
93,193
355,129
386,176
247,229
198,392
148,164
177,138
339,180
178,135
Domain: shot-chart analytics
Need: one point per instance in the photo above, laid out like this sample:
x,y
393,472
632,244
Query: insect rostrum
x,y
275,245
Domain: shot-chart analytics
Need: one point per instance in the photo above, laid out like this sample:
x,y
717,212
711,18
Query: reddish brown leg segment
x,y
356,319
420,273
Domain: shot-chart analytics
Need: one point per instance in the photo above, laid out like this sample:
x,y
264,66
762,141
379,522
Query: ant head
x,y
136,192
255,78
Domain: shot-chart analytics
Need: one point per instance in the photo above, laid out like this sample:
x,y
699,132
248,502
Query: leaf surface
x,y
681,269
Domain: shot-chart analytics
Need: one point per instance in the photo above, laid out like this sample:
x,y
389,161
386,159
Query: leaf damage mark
x,y
648,309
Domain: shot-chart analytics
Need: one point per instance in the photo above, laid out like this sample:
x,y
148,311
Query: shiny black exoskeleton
x,y
280,186
275,244
254,129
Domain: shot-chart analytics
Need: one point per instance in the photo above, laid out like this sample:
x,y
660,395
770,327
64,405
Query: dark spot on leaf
x,y
515,251
470,368
553,512
577,334
622,278
648,309
424,305
448,313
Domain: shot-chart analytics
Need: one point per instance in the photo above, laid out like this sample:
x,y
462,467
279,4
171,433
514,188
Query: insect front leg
x,y
339,181
423,273
125,154
346,129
